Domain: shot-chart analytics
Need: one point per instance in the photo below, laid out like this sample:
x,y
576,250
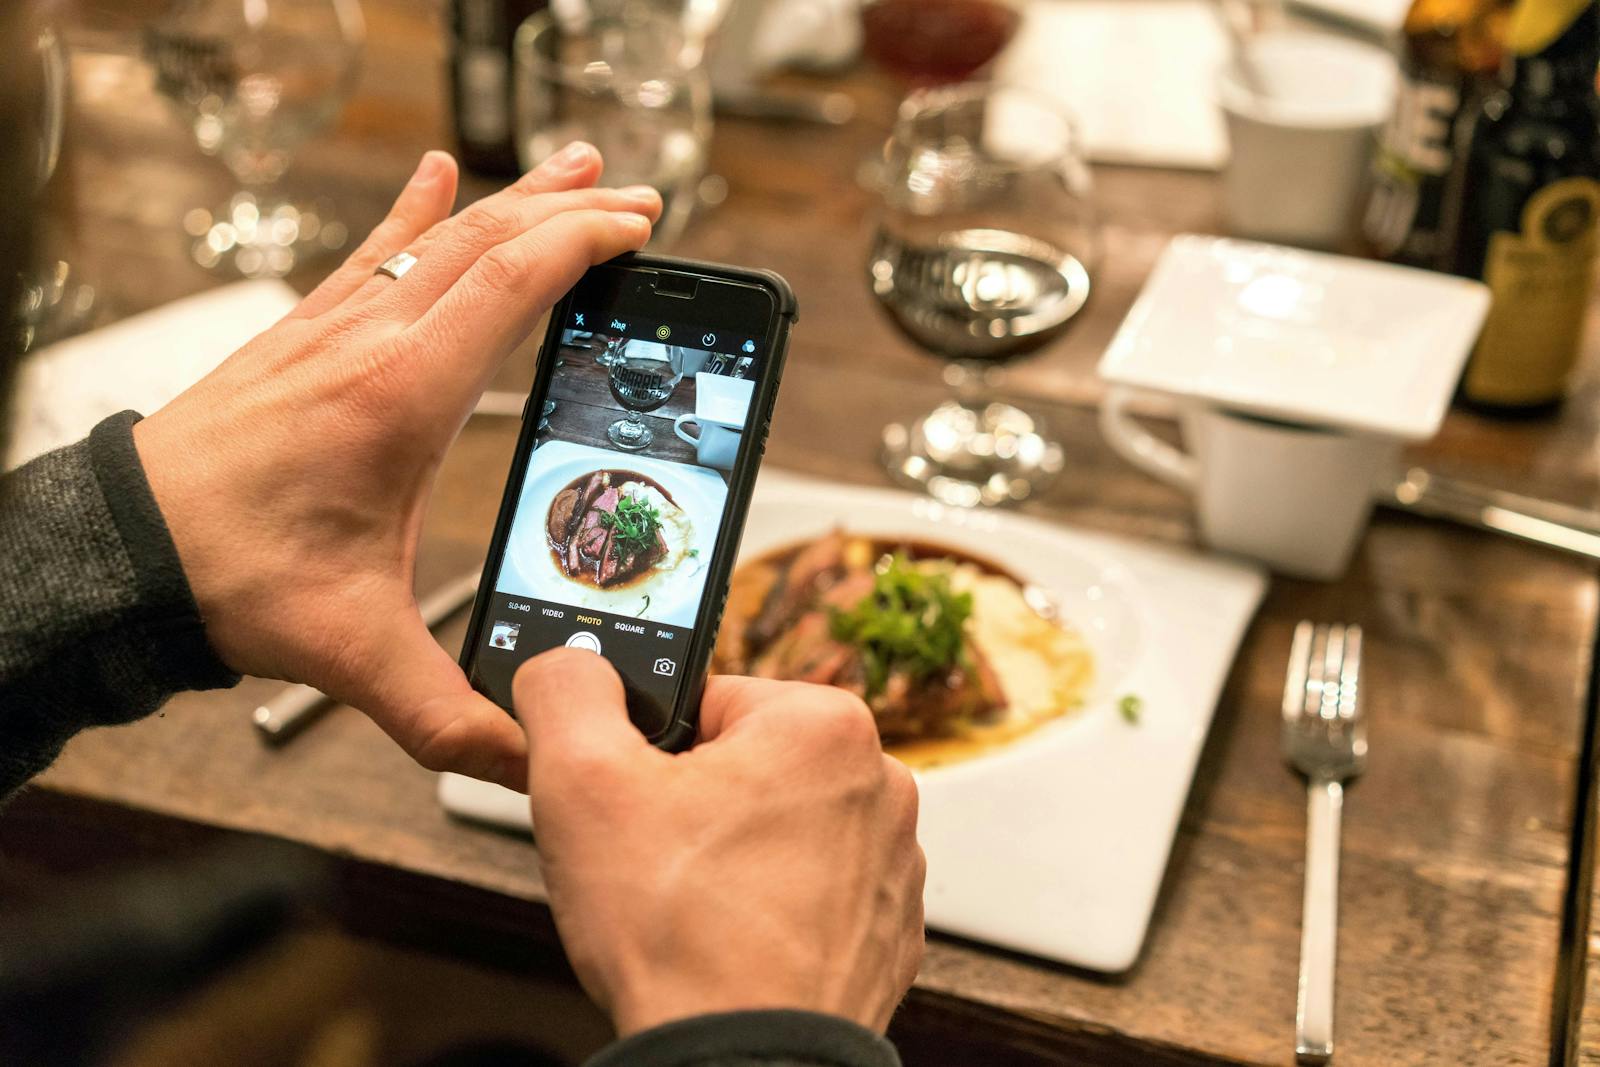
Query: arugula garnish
x,y
633,524
912,622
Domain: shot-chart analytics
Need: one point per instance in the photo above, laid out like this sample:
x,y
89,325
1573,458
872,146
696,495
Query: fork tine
x,y
1350,675
1332,673
1316,673
1294,684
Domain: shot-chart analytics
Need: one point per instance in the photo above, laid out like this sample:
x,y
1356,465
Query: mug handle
x,y
677,428
1140,448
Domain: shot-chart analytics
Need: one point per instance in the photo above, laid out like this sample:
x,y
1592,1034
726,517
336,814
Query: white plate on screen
x,y
1303,336
530,569
1054,845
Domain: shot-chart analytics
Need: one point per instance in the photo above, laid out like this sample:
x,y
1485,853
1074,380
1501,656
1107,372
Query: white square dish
x,y
1302,336
1056,843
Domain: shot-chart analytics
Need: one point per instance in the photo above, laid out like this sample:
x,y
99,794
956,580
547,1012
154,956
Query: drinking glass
x,y
55,301
612,352
253,80
630,84
642,381
937,42
985,239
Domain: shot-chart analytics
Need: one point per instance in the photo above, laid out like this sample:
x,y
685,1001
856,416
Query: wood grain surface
x,y
585,409
1460,871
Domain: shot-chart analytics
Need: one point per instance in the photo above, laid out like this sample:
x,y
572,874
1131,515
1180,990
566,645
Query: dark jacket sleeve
x,y
97,623
752,1039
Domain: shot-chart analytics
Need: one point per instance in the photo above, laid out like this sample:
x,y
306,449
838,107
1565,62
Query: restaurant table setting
x,y
1089,332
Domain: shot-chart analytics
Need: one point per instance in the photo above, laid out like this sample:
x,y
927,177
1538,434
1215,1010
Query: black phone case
x,y
684,723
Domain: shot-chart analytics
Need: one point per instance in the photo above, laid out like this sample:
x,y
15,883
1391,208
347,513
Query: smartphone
x,y
627,496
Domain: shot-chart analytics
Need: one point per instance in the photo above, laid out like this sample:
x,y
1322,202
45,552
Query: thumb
x,y
417,693
572,705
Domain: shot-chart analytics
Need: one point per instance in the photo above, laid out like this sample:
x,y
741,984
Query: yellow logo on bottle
x,y
1540,280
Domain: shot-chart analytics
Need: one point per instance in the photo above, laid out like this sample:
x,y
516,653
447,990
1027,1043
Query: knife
x,y
1541,522
299,705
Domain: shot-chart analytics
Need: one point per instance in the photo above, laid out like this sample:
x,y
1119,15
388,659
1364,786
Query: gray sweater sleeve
x,y
98,625
752,1039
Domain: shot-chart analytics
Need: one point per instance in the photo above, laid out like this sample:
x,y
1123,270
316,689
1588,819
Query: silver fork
x,y
1324,739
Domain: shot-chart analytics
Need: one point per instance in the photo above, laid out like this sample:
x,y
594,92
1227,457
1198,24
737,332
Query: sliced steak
x,y
563,511
807,652
619,565
588,545
813,569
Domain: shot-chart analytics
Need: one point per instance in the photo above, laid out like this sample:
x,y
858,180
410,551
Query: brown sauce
x,y
615,477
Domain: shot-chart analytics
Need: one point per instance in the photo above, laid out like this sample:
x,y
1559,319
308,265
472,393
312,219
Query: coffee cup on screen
x,y
715,445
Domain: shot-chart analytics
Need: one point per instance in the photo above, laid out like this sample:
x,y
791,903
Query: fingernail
x,y
640,192
573,156
430,167
628,220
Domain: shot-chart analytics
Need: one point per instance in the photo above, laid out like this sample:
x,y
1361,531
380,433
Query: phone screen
x,y
625,490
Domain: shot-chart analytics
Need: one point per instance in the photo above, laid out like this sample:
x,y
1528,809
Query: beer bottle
x,y
1451,48
1530,197
481,81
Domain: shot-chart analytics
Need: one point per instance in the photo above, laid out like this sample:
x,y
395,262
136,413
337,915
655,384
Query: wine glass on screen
x,y
612,352
253,80
643,381
982,254
937,42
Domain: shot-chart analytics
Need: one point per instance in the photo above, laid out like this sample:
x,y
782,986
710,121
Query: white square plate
x,y
1054,845
1303,336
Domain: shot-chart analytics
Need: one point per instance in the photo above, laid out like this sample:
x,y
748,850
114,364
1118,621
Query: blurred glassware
x,y
55,301
985,240
641,382
612,353
936,42
253,80
629,84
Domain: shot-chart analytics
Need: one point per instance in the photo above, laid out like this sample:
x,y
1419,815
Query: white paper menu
x,y
141,363
1136,74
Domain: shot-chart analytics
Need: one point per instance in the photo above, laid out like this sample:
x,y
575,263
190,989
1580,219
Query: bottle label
x,y
1403,218
1539,280
485,97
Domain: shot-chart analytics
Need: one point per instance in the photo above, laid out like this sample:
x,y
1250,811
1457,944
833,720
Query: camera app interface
x,y
625,492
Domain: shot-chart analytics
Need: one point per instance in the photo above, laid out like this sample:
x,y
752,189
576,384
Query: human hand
x,y
294,477
775,865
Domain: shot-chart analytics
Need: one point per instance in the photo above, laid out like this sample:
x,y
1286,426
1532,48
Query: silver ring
x,y
397,265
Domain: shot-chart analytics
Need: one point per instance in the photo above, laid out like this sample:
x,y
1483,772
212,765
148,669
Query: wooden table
x,y
585,409
1467,850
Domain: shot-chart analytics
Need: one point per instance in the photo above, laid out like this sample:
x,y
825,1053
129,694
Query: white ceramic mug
x,y
1295,497
1299,157
715,445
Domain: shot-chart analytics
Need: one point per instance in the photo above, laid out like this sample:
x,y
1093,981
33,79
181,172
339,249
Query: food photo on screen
x,y
626,486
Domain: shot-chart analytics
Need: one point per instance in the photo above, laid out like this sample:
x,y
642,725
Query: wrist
x,y
172,473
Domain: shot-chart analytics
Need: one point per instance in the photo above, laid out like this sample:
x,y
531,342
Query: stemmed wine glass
x,y
612,353
253,80
642,381
985,240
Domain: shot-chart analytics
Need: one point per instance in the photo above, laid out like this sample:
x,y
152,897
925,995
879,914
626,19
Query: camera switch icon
x,y
666,667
